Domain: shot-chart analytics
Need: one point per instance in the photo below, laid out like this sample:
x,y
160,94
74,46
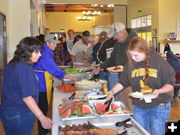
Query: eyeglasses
x,y
117,34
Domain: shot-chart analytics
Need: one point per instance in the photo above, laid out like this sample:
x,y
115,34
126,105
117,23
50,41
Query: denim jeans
x,y
154,118
113,78
103,75
18,123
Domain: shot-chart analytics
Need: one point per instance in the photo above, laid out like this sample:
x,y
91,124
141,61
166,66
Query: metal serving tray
x,y
95,117
65,67
136,129
119,103
111,122
83,76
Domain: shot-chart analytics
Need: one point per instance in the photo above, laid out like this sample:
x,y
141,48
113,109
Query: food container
x,y
65,67
95,117
116,108
66,87
75,109
79,77
69,101
104,82
87,85
96,97
115,122
67,81
85,69
83,76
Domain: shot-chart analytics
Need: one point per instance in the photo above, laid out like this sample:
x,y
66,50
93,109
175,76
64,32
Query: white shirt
x,y
81,51
69,44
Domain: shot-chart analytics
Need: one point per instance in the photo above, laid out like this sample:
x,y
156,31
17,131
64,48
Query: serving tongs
x,y
72,96
123,133
109,103
99,98
121,123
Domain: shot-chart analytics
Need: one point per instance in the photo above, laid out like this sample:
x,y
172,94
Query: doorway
x,y
3,48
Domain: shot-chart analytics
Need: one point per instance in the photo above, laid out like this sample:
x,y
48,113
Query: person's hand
x,y
73,78
45,122
156,93
110,95
96,70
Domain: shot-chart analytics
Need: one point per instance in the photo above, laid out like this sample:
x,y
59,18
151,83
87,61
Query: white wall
x,y
19,23
120,14
175,48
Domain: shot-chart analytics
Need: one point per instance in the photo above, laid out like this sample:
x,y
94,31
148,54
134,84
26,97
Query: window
x,y
142,25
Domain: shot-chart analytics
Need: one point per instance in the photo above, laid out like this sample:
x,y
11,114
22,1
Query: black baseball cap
x,y
86,33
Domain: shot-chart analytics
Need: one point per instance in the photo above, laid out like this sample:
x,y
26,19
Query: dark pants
x,y
17,123
43,105
176,92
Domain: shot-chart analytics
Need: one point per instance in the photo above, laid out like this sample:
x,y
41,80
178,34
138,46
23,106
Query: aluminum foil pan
x,y
117,123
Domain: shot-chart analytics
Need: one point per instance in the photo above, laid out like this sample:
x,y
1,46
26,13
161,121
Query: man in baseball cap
x,y
79,52
51,38
44,69
116,28
123,36
86,33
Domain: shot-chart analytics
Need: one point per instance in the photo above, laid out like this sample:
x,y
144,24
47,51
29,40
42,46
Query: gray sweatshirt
x,y
161,73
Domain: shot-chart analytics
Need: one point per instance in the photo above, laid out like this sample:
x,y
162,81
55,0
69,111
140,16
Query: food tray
x,y
136,129
65,67
120,104
111,122
67,81
87,85
84,69
78,115
82,76
96,97
67,88
84,88
95,118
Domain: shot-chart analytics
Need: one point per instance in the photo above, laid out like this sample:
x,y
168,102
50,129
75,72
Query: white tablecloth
x,y
57,99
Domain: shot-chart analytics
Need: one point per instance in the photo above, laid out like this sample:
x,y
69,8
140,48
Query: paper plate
x,y
147,97
114,70
137,95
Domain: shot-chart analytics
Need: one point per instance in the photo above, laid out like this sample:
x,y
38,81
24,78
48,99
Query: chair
x,y
177,84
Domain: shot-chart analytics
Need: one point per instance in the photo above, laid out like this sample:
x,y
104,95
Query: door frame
x,y
4,49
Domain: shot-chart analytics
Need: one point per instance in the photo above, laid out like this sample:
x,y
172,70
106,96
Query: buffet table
x,y
57,100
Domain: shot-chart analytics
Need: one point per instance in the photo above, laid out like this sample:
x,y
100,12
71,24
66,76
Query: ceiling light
x,y
89,13
110,5
84,18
